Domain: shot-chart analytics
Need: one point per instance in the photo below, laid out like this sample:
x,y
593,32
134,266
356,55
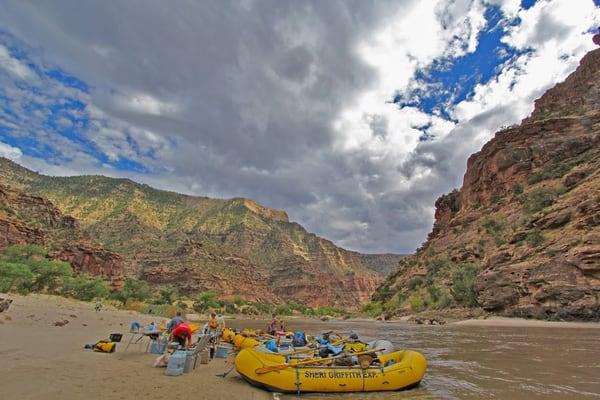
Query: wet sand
x,y
41,361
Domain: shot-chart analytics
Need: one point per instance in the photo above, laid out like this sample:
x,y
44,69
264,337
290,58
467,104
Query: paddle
x,y
270,368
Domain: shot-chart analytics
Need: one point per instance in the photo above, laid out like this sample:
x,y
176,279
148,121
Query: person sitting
x,y
281,326
272,327
175,322
182,334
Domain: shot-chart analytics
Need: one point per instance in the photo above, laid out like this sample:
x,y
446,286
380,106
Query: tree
x,y
206,300
15,276
168,295
49,275
133,289
85,288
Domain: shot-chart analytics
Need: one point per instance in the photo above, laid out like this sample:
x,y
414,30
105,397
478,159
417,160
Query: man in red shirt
x,y
181,333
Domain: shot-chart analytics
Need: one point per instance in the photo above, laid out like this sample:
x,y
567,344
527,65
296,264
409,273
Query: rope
x,y
297,381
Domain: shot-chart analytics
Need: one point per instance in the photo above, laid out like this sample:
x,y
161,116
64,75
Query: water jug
x,y
176,363
190,361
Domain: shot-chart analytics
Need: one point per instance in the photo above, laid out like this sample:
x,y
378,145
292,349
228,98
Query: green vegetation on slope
x,y
26,269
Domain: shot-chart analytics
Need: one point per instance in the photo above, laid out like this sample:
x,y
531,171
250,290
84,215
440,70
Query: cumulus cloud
x,y
10,152
290,104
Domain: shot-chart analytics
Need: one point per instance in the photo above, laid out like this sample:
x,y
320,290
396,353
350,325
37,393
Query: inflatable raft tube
x,y
404,370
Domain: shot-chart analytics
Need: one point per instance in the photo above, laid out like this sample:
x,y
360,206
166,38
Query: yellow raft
x,y
406,371
241,341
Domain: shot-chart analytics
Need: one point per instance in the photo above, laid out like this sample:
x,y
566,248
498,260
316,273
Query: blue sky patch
x,y
47,117
447,82
527,4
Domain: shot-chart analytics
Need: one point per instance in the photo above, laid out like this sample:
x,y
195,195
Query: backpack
x,y
355,347
299,339
104,346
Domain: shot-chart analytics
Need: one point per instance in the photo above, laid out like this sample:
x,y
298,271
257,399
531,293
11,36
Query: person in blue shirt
x,y
177,320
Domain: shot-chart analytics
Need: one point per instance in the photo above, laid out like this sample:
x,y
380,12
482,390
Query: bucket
x,y
176,364
221,352
190,361
204,356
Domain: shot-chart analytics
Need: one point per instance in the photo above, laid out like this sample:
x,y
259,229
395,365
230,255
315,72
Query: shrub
x,y
415,282
539,199
182,305
49,275
444,299
437,266
463,281
135,305
264,308
168,295
495,229
552,171
238,301
24,268
133,289
85,288
534,238
23,252
205,301
373,309
15,276
496,198
517,189
416,303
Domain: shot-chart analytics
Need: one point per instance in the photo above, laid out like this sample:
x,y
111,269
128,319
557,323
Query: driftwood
x,y
4,304
429,321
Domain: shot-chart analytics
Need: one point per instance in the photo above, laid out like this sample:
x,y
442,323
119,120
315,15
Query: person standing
x,y
177,319
213,325
272,327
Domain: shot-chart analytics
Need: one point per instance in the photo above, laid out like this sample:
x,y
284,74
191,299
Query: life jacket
x,y
299,339
355,347
213,323
104,346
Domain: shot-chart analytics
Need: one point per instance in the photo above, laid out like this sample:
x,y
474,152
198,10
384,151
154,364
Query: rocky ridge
x,y
235,247
28,219
526,221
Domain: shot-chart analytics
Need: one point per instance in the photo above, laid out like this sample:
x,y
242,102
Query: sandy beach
x,y
526,323
39,360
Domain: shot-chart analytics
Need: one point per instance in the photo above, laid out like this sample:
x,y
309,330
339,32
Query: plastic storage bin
x,y
221,352
176,363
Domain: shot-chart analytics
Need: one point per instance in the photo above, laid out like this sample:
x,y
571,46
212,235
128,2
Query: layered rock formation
x,y
235,247
27,219
527,218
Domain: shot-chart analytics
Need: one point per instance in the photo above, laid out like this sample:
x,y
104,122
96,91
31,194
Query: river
x,y
480,362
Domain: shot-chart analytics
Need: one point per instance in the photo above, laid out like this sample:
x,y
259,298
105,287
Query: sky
x,y
352,116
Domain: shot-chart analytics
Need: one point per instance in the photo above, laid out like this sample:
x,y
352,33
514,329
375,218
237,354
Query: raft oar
x,y
224,374
270,368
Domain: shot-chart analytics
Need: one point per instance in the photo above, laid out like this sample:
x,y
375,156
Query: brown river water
x,y
479,362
